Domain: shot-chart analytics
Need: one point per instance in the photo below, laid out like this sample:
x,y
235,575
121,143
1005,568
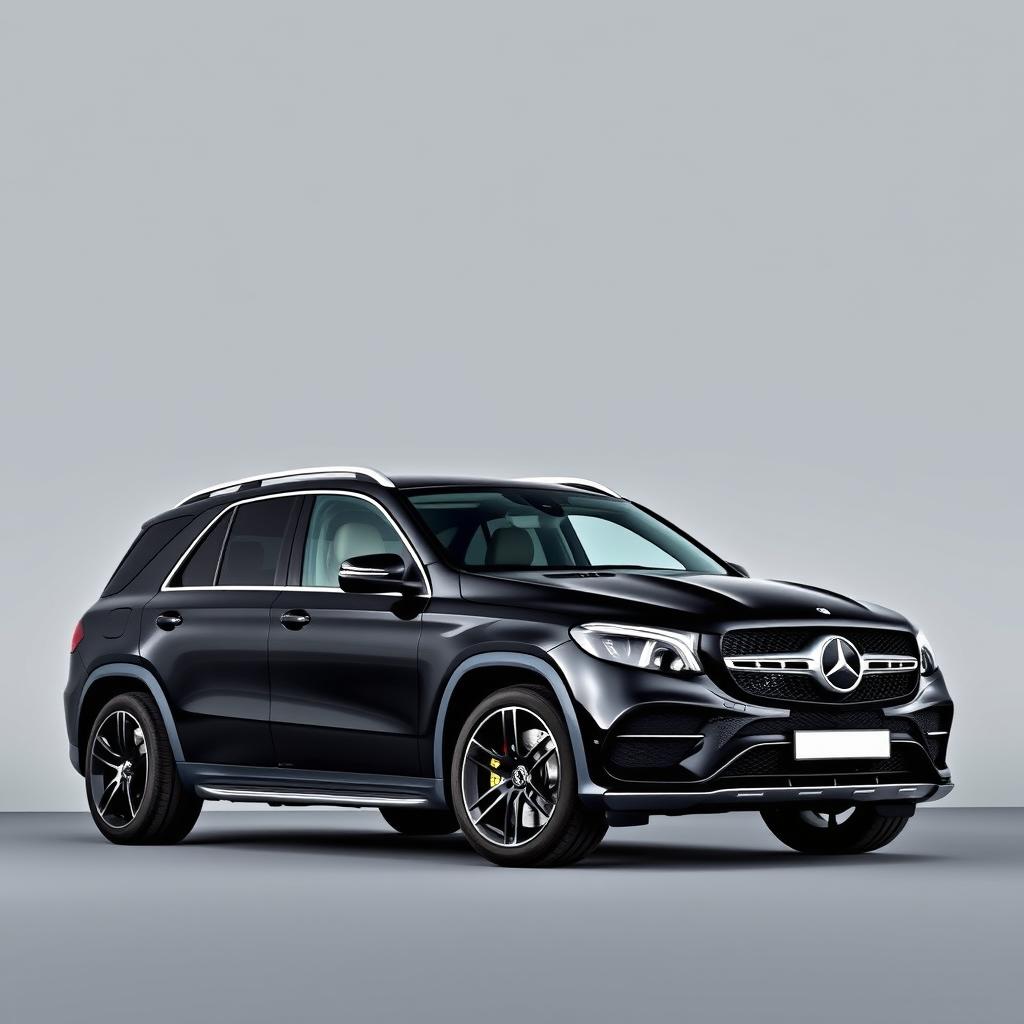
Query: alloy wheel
x,y
118,769
827,819
511,776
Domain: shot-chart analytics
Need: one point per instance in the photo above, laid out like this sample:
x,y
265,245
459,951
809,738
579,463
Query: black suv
x,y
529,661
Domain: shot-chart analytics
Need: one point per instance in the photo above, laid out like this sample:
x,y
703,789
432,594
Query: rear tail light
x,y
76,636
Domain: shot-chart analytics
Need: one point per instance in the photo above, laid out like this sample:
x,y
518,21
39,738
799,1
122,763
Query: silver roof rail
x,y
570,481
262,478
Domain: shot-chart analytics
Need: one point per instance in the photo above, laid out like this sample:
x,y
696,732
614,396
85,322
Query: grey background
x,y
312,916
757,265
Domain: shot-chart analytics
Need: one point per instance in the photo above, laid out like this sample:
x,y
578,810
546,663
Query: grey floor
x,y
308,916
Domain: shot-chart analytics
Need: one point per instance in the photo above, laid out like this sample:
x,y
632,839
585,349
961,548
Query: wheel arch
x,y
482,674
108,681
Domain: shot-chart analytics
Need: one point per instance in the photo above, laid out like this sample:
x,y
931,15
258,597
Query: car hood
x,y
671,597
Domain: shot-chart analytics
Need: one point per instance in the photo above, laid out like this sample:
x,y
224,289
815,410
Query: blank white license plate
x,y
836,743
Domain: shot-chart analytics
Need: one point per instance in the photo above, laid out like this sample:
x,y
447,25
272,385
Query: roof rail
x,y
262,478
570,481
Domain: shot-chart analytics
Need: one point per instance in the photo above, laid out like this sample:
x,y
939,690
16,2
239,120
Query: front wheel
x,y
513,783
841,830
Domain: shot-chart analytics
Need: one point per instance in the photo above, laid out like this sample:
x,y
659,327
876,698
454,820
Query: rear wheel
x,y
131,780
411,822
836,831
513,783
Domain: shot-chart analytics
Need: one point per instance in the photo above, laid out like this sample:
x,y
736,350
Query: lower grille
x,y
631,753
919,726
666,742
934,724
840,718
778,761
664,719
651,741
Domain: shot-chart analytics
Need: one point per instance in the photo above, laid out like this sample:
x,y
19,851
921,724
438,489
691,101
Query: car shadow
x,y
613,853
334,842
662,856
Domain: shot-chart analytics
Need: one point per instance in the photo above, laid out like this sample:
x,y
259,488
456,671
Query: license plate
x,y
823,744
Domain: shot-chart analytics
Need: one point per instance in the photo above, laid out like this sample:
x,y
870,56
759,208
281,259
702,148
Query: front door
x,y
343,667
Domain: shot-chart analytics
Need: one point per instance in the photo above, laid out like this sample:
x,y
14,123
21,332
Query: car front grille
x,y
804,687
738,643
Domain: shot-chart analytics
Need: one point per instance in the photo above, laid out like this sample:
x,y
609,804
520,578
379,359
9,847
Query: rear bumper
x,y
754,797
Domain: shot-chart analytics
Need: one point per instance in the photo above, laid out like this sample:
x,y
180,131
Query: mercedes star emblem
x,y
839,664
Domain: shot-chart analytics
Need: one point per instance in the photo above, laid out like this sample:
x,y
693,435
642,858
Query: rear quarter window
x,y
201,567
149,543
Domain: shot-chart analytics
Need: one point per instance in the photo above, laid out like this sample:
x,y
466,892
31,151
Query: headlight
x,y
928,663
658,650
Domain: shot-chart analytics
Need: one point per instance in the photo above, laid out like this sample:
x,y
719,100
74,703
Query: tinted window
x,y
201,567
149,543
255,542
523,528
342,527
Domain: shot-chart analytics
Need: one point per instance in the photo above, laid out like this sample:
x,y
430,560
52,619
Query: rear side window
x,y
149,543
244,547
255,543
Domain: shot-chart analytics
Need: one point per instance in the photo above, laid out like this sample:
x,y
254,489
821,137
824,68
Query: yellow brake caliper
x,y
495,778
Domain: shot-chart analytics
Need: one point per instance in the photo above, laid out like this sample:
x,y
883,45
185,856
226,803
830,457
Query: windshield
x,y
520,528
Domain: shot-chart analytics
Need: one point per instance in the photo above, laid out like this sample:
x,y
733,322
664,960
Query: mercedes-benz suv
x,y
529,661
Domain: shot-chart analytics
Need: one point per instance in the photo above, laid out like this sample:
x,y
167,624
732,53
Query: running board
x,y
239,794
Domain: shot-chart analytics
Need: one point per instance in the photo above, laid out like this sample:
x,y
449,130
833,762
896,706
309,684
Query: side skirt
x,y
293,787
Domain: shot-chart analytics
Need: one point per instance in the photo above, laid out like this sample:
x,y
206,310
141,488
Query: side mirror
x,y
376,574
739,568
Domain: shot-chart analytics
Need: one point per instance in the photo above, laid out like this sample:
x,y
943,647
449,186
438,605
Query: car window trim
x,y
223,544
167,588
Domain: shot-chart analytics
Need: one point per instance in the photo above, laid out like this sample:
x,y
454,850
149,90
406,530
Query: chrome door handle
x,y
295,619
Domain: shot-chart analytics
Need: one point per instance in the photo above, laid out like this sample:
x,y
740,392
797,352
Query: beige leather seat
x,y
510,545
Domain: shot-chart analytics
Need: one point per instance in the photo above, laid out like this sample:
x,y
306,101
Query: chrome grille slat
x,y
801,662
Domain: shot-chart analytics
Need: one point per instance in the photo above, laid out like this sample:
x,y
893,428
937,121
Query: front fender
x,y
497,659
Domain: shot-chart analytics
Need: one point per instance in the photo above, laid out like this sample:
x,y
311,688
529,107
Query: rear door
x,y
206,632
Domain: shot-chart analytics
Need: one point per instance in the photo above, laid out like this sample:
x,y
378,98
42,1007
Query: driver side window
x,y
343,527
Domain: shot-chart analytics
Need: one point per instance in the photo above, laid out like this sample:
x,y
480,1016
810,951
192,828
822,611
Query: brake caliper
x,y
495,777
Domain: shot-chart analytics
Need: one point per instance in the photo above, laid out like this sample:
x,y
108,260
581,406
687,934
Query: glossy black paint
x,y
304,681
214,666
344,690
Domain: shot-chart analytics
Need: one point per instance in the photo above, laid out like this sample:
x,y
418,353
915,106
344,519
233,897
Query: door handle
x,y
295,619
168,620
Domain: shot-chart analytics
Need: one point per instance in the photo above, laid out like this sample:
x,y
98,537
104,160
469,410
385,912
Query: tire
x,y
131,781
833,832
420,823
535,818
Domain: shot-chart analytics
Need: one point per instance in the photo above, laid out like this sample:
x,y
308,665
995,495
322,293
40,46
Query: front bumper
x,y
658,745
